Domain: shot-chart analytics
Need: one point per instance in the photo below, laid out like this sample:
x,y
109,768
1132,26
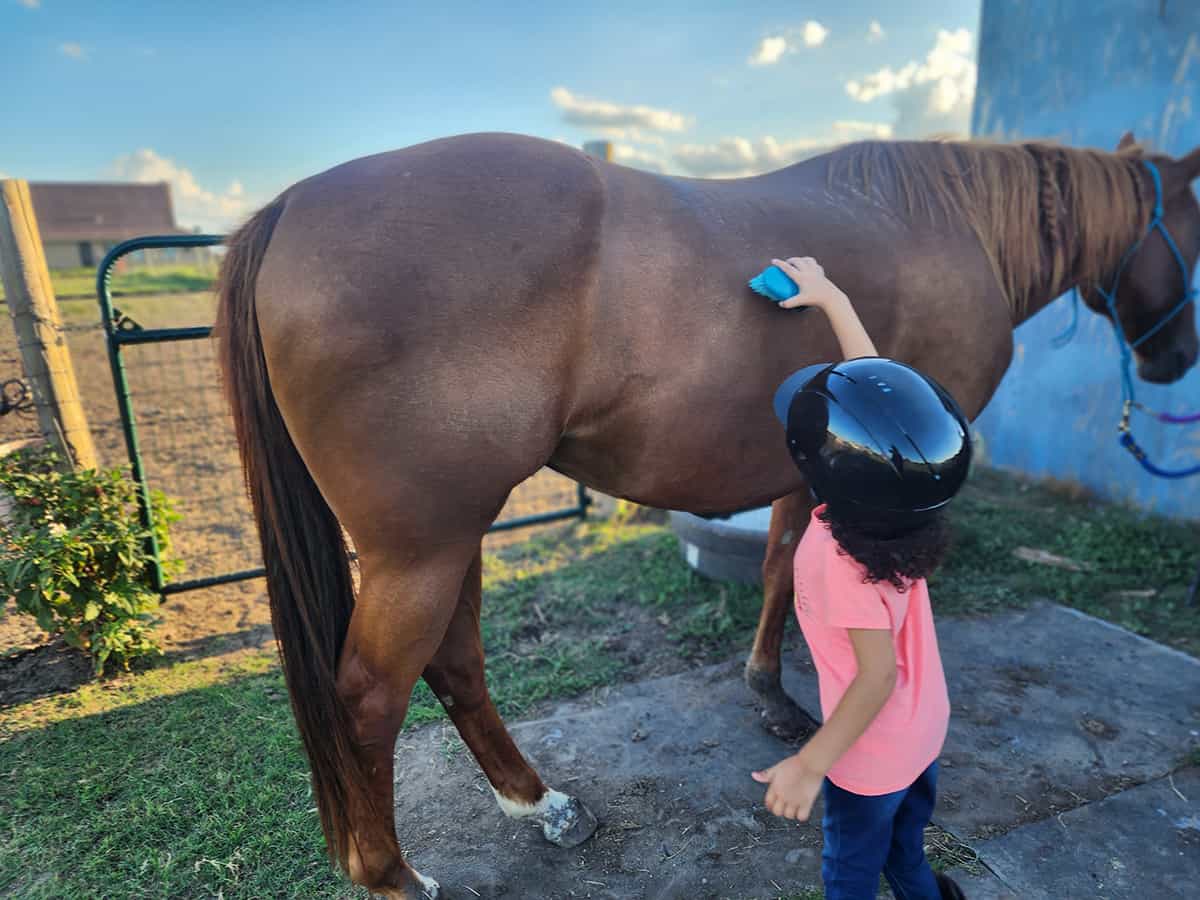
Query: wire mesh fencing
x,y
18,405
187,444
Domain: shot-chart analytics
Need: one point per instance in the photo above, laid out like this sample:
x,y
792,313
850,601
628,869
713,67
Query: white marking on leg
x,y
787,538
551,802
430,888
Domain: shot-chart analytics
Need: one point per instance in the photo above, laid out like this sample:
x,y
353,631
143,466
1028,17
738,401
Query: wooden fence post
x,y
40,336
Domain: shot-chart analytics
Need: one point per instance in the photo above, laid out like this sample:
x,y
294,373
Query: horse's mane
x,y
1018,199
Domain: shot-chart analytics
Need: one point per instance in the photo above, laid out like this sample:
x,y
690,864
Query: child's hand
x,y
794,785
815,288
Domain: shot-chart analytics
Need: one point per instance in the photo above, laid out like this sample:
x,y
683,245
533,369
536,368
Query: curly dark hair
x,y
887,553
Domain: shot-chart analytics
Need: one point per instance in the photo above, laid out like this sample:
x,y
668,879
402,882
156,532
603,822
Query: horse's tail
x,y
303,549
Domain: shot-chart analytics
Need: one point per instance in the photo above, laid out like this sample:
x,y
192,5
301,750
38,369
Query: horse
x,y
407,336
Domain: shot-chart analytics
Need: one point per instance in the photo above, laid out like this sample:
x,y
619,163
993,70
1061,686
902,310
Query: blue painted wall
x,y
1082,72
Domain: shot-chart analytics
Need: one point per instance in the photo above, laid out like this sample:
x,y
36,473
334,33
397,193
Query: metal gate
x,y
193,456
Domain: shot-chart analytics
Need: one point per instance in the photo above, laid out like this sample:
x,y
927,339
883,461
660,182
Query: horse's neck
x,y
1047,292
1075,243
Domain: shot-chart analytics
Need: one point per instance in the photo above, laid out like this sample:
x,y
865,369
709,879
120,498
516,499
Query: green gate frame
x,y
121,331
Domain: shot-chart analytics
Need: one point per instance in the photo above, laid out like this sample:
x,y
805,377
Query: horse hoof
x,y
780,714
415,886
788,722
570,825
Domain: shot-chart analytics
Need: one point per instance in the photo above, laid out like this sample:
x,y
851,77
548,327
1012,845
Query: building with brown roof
x,y
81,221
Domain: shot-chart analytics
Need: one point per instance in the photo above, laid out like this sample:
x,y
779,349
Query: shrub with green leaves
x,y
73,555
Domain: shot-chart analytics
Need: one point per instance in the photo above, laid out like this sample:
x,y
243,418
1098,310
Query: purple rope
x,y
1172,419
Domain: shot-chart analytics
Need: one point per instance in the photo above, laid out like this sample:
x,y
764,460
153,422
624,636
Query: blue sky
x,y
231,102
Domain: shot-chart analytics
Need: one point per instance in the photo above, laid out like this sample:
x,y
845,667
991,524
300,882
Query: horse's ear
x,y
1189,166
1178,174
1128,146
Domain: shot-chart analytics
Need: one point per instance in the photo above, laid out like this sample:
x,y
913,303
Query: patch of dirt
x,y
191,625
1099,728
51,668
640,638
1017,679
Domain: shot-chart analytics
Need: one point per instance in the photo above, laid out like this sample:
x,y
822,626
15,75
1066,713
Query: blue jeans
x,y
866,836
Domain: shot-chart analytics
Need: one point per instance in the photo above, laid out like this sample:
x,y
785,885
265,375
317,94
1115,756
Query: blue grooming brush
x,y
773,284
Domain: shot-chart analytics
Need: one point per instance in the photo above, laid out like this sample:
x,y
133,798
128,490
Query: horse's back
x,y
457,219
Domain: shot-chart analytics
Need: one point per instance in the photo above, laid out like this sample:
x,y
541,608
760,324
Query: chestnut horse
x,y
408,336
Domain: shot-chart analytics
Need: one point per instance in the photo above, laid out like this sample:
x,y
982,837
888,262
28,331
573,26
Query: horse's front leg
x,y
780,714
456,676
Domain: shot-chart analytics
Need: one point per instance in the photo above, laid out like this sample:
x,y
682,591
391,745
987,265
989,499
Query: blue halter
x,y
1127,347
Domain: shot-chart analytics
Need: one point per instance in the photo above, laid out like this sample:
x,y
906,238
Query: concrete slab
x,y
1143,842
1051,710
664,765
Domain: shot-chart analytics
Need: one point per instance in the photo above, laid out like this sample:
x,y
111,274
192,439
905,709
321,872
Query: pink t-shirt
x,y
909,731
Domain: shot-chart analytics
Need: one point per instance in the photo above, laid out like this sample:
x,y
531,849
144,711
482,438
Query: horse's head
x,y
1153,283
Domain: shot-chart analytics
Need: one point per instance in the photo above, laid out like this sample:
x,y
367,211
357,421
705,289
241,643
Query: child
x,y
884,449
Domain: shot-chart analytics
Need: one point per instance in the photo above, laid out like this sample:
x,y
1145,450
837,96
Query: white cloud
x,y
584,111
194,204
931,96
814,34
769,51
949,58
854,130
635,135
71,49
727,157
734,157
30,4
636,158
875,32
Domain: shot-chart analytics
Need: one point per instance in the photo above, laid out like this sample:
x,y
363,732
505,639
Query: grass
x,y
101,802
148,310
81,282
1140,566
945,852
188,781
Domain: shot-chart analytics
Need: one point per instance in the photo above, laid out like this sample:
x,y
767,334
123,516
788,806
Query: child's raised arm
x,y
817,290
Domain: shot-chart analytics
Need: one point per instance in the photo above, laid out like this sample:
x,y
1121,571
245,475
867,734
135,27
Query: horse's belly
x,y
680,478
694,439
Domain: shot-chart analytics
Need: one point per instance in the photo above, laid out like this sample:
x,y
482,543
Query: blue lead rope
x,y
1126,347
1067,335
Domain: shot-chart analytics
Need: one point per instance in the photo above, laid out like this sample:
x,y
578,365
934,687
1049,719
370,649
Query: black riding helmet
x,y
876,439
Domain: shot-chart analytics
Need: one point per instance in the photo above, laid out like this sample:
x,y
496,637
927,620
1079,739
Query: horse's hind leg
x,y
403,608
781,715
456,675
